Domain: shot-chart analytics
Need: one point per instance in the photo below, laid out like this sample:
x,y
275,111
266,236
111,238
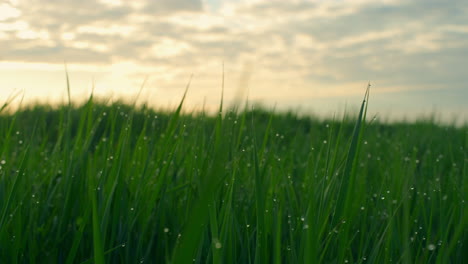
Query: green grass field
x,y
115,183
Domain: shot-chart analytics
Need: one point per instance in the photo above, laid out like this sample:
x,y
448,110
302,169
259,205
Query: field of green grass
x,y
116,183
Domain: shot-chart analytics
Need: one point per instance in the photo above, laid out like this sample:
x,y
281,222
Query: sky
x,y
307,55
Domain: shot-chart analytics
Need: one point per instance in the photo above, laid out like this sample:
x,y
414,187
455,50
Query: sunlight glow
x,y
169,47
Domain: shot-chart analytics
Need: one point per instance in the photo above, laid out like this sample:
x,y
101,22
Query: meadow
x,y
108,182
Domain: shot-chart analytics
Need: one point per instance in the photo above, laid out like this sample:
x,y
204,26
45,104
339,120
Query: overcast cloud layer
x,y
309,53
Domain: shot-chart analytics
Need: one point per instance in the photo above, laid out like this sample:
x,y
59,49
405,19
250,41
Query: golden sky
x,y
309,54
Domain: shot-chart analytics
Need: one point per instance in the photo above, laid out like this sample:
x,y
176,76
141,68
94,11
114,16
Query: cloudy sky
x,y
312,55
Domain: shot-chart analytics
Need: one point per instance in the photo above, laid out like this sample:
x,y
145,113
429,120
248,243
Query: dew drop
x,y
431,247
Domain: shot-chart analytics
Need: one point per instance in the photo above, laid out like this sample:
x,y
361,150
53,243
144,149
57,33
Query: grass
x,y
118,183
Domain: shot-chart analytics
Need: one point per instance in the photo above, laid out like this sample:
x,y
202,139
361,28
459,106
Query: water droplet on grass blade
x,y
217,244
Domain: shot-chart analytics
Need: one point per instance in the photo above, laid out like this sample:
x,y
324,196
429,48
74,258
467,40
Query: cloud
x,y
169,6
407,35
7,11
